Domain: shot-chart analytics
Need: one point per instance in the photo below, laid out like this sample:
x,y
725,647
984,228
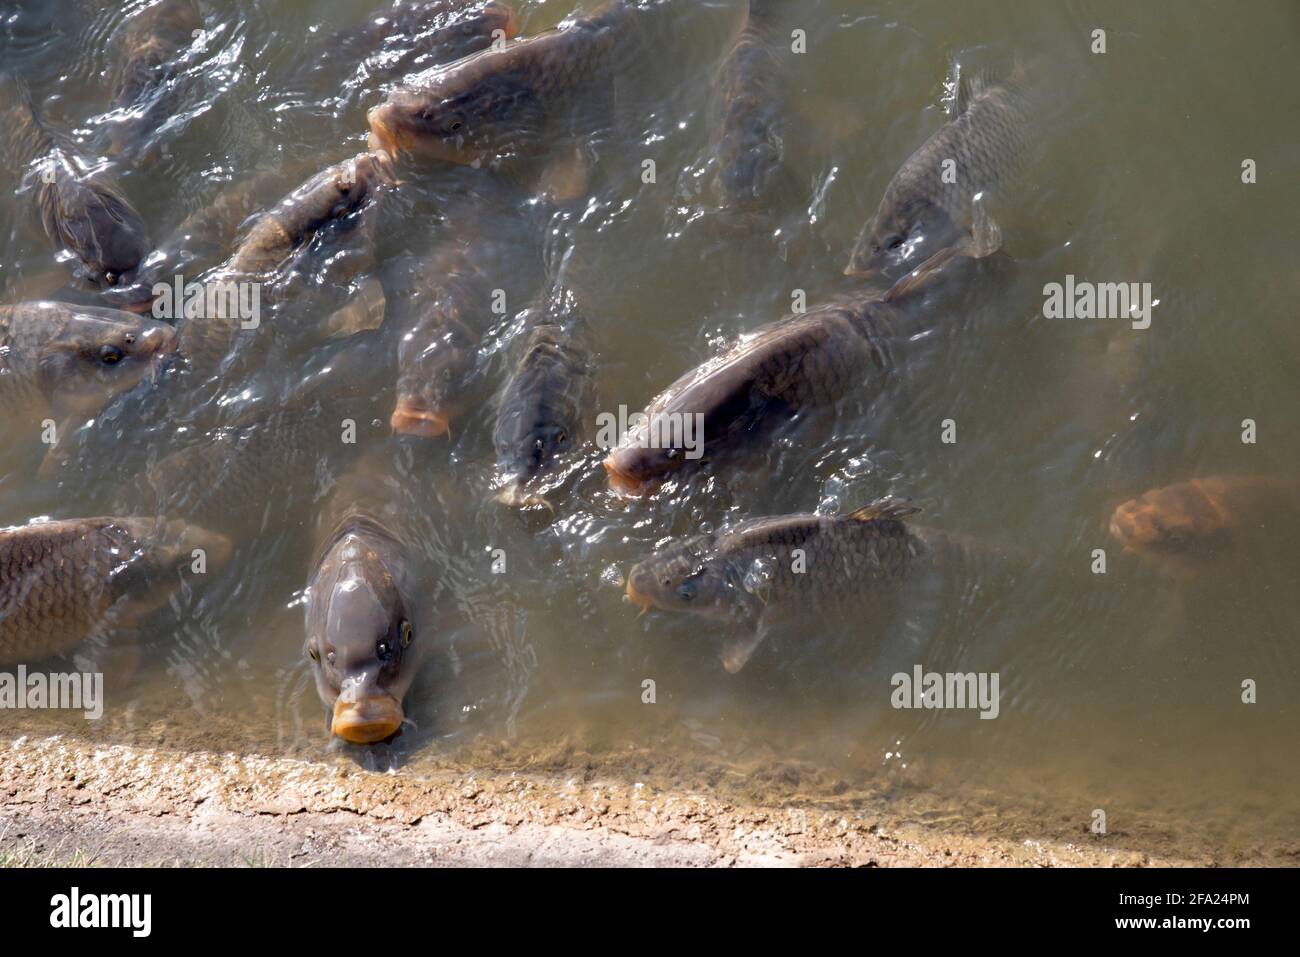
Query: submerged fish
x,y
1186,527
362,637
410,36
766,571
799,363
327,197
67,585
80,210
70,360
943,201
152,40
512,100
547,397
750,88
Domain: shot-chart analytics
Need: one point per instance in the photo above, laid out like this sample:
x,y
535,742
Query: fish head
x,y
686,577
436,357
635,468
93,355
1179,520
528,446
900,238
473,111
359,638
96,223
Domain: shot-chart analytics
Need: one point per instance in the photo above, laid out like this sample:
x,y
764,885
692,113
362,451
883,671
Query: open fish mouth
x,y
382,135
516,495
368,720
413,418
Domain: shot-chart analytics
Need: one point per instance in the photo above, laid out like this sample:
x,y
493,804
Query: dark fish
x,y
547,398
764,571
408,37
274,238
1187,527
72,360
932,212
361,633
152,40
68,583
507,101
80,211
750,89
799,363
327,197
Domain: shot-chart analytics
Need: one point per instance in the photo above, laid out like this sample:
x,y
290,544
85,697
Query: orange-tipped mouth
x,y
410,419
382,137
367,721
511,26
623,483
640,599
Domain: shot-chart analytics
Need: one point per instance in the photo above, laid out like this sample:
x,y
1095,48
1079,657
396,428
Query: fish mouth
x,y
383,138
624,483
413,418
378,164
368,720
515,495
638,598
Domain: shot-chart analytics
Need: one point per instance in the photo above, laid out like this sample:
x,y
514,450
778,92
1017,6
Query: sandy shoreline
x,y
64,800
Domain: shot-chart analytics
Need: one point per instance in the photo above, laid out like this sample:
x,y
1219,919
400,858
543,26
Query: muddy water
x,y
1119,691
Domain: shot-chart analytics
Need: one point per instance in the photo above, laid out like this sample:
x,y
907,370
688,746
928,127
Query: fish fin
x,y
985,234
61,452
922,274
737,649
564,178
885,508
363,312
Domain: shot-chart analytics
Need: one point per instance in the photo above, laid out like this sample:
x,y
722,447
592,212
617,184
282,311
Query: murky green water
x,y
1120,692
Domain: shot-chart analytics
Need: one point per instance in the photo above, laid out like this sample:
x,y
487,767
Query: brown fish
x,y
362,638
943,201
69,583
546,399
71,361
766,571
152,40
511,100
1187,527
750,89
799,363
81,211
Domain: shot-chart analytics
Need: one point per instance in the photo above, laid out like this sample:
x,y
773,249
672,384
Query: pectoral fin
x,y
739,647
564,177
362,313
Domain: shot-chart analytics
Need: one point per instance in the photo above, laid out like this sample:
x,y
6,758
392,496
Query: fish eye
x,y
383,650
894,242
111,278
110,355
562,437
313,653
407,633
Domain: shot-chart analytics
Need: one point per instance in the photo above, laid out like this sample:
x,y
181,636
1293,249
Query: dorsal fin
x,y
885,508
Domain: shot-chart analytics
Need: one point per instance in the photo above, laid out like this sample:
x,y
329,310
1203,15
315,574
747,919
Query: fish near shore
x,y
81,210
945,200
547,398
764,572
361,634
67,585
799,363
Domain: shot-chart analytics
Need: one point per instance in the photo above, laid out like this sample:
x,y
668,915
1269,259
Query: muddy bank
x,y
65,800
